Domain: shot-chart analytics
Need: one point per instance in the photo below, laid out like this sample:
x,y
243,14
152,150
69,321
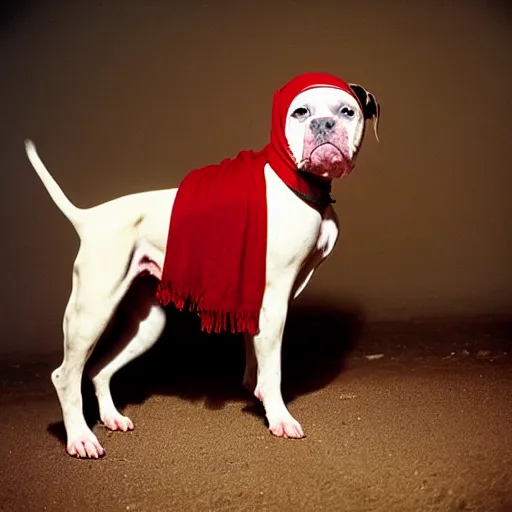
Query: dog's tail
x,y
72,212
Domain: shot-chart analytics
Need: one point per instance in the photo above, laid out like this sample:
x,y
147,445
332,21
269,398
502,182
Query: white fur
x,y
119,237
324,102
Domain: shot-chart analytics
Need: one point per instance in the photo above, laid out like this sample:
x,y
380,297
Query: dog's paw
x,y
289,428
117,422
85,446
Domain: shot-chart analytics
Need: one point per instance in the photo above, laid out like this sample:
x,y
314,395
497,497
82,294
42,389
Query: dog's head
x,y
318,123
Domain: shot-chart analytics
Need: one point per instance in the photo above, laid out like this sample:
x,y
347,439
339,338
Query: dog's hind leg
x,y
91,305
83,325
251,365
147,319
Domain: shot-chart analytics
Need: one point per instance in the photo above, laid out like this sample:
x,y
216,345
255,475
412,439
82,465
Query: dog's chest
x,y
293,227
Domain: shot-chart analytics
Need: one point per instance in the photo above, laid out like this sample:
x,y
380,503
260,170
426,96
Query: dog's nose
x,y
323,125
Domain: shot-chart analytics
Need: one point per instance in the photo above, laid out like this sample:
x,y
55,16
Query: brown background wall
x,y
126,96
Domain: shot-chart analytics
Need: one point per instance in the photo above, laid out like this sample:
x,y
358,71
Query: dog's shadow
x,y
185,362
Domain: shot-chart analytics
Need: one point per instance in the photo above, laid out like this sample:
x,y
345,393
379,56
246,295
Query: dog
x,y
125,237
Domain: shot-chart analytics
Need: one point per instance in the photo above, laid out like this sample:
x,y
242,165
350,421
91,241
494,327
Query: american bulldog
x,y
323,127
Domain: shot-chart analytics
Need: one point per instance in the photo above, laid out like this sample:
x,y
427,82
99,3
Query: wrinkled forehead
x,y
323,101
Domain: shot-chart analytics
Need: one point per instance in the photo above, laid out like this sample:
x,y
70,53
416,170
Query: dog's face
x,y
324,129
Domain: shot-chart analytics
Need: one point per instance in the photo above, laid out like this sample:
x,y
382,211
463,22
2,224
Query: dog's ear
x,y
371,107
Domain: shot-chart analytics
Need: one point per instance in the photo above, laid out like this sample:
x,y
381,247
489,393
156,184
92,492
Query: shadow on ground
x,y
195,366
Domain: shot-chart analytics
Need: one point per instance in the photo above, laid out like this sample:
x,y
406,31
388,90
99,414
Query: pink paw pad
x,y
118,422
287,429
85,446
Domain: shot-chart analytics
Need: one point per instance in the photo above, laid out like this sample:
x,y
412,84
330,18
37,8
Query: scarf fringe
x,y
211,320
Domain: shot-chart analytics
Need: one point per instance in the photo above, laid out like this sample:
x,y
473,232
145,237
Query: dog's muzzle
x,y
322,128
323,154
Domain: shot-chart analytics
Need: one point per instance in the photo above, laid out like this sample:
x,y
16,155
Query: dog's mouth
x,y
327,161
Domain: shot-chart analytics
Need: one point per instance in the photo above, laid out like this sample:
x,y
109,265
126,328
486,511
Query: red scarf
x,y
215,259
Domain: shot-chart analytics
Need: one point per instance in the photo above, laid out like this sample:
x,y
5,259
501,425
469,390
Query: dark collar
x,y
322,197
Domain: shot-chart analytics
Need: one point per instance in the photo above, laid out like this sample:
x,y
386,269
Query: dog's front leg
x,y
267,348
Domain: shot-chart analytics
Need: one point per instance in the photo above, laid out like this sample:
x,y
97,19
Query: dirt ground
x,y
410,416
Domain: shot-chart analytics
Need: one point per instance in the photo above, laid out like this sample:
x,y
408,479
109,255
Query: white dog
x,y
127,236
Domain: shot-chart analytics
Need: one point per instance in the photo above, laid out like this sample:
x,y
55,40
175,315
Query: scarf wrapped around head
x,y
215,260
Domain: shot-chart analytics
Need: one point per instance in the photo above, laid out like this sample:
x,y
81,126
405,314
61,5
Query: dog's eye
x,y
346,111
300,113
